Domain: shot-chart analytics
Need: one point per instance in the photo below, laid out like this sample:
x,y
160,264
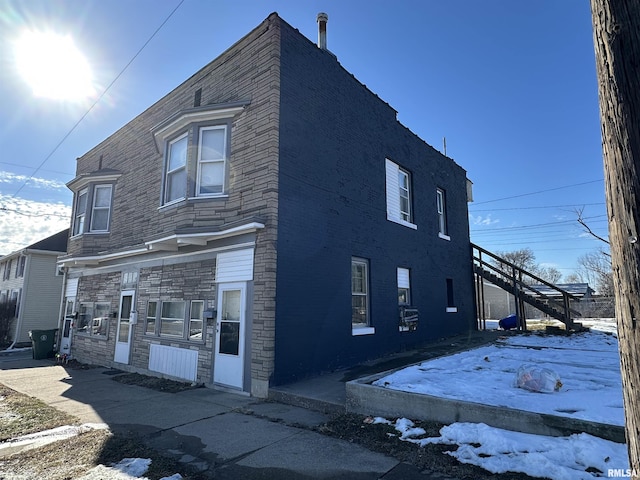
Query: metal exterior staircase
x,y
520,283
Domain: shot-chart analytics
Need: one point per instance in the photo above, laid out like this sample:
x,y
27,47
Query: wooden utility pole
x,y
616,35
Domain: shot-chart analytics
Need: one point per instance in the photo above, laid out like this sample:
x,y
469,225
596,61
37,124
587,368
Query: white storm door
x,y
125,327
228,367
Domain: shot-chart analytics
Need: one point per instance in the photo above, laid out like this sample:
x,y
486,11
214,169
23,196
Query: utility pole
x,y
616,37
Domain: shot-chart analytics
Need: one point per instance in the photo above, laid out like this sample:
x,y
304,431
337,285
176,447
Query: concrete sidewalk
x,y
226,435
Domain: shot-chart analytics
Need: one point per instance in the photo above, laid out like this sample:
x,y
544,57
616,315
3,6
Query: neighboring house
x,y
499,303
579,290
31,278
263,222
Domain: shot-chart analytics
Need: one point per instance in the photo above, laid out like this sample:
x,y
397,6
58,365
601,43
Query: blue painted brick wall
x,y
334,137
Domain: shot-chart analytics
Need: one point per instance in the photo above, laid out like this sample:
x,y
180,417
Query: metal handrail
x,y
514,276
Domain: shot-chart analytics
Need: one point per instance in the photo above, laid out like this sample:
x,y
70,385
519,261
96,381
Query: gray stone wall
x,y
185,281
101,288
249,70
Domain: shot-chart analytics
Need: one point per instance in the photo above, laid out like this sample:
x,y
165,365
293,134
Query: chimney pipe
x,y
322,30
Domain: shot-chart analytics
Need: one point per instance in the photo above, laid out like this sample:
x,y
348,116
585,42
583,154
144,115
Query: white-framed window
x,y
196,164
7,270
81,211
152,314
93,318
100,320
175,187
404,190
101,211
441,205
22,261
15,299
404,286
212,155
167,319
85,315
399,195
92,212
196,320
360,302
172,319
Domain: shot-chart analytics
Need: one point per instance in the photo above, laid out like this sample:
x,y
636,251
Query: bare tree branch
x,y
581,221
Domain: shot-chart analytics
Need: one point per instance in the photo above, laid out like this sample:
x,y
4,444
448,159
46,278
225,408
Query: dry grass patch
x,y
22,415
69,458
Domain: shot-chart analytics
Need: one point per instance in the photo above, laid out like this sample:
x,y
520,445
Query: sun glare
x,y
53,67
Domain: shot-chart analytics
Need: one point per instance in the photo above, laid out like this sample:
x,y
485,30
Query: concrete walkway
x,y
226,435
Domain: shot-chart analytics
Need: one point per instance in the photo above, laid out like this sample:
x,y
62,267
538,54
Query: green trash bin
x,y
42,343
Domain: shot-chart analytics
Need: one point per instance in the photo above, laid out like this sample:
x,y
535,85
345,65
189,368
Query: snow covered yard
x,y
588,365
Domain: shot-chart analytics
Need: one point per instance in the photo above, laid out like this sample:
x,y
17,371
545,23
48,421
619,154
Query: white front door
x,y
124,331
228,368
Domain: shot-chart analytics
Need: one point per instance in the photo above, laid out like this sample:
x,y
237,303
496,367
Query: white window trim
x,y
404,281
392,184
184,313
441,209
224,161
167,173
84,191
201,320
108,208
363,331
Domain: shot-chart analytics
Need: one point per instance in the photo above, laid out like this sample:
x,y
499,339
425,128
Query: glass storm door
x,y
123,333
65,338
228,368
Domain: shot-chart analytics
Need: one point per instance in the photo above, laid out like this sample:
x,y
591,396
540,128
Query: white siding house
x,y
30,276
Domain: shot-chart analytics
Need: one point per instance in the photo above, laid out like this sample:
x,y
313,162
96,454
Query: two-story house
x,y
30,279
263,222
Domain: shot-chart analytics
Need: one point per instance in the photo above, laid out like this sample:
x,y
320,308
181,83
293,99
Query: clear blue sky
x,y
511,85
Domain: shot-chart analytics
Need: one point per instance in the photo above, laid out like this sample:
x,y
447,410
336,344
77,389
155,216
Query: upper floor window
x,y
175,186
93,209
203,159
7,270
21,263
81,211
101,210
212,148
441,202
399,194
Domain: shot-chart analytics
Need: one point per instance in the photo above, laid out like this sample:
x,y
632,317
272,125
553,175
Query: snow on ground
x,y
126,469
500,451
588,365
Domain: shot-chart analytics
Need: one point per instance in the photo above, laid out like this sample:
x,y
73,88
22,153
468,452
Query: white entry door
x,y
123,333
228,368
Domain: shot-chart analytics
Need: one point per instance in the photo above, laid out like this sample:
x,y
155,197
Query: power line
x,y
540,191
18,212
535,208
97,100
524,227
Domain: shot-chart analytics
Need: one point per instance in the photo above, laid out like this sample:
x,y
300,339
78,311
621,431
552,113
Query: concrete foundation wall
x,y
367,399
